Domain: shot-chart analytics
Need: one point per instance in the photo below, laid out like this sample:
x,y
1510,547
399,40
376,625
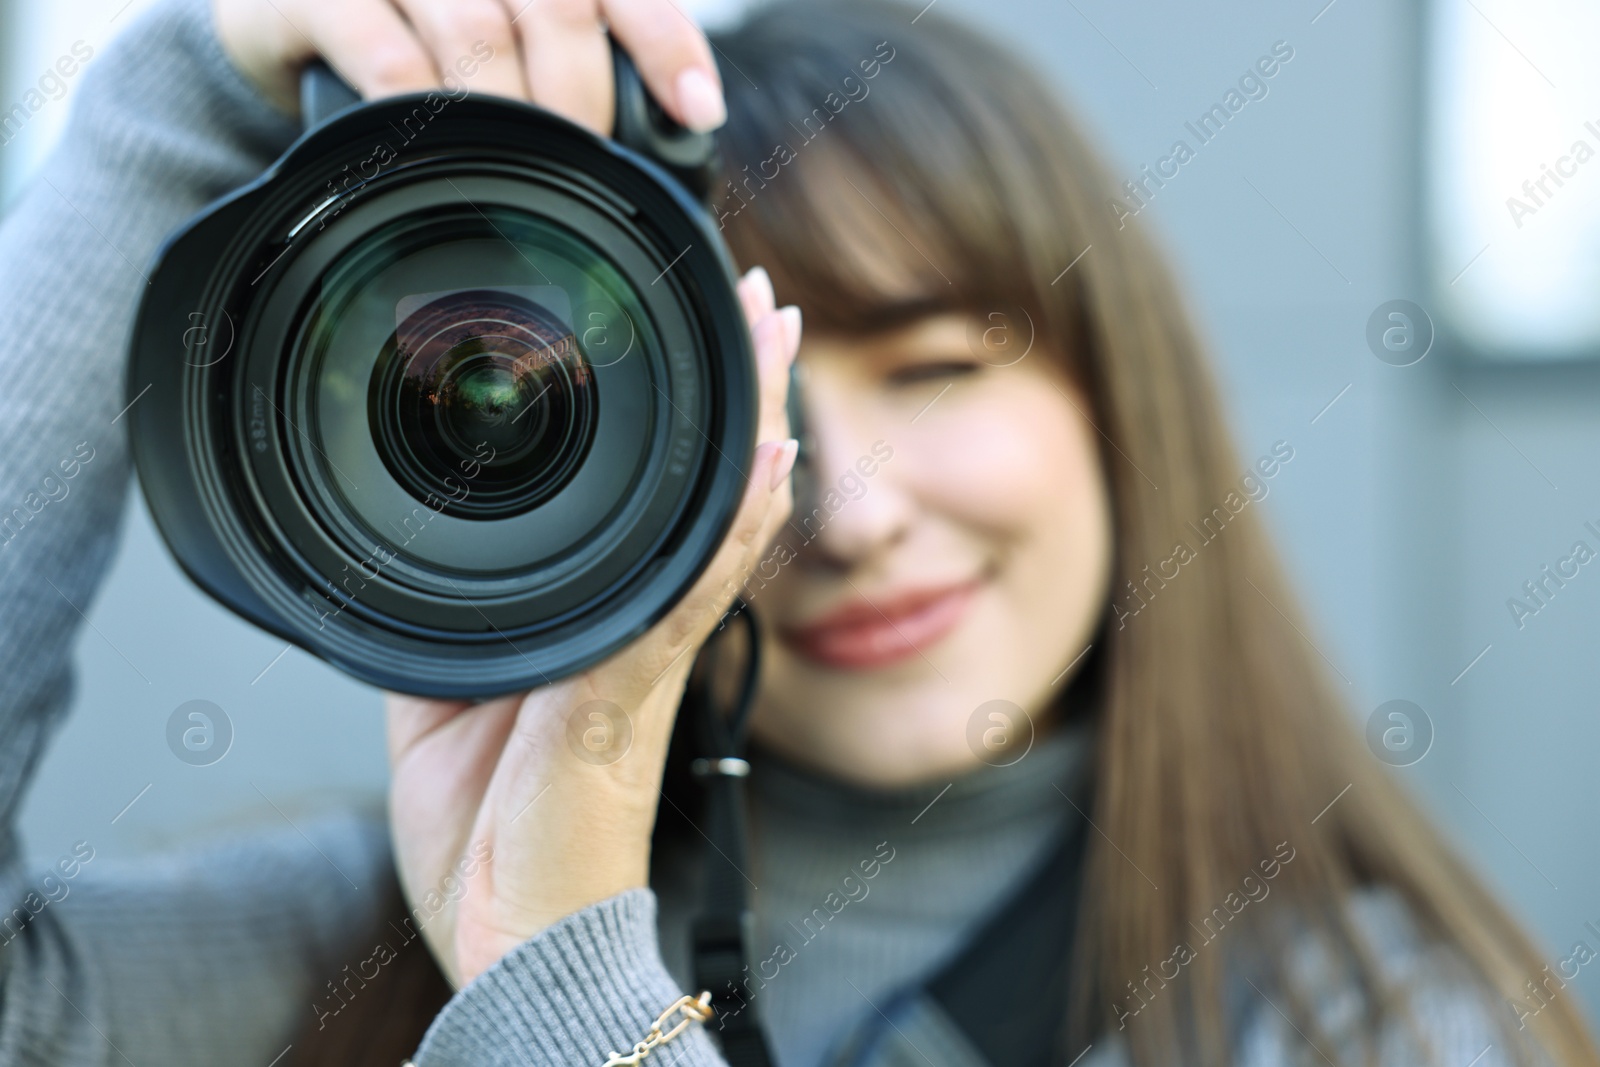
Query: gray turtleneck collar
x,y
860,891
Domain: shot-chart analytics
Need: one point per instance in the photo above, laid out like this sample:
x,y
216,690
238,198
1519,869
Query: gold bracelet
x,y
694,1010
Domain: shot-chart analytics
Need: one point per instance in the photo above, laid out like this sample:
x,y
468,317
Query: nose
x,y
854,506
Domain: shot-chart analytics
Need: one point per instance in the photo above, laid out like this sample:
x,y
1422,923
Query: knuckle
x,y
673,41
747,532
686,624
775,393
478,21
396,66
566,13
682,42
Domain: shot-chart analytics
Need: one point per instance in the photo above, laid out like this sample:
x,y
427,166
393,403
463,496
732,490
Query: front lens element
x,y
481,398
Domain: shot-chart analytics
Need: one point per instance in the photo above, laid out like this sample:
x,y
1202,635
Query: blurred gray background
x,y
1419,500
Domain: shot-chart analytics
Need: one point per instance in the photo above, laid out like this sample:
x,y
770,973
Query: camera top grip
x,y
639,122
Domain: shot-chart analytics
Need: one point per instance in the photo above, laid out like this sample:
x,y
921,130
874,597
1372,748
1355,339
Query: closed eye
x,y
933,370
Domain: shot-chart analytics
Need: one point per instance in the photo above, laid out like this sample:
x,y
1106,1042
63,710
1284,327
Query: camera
x,y
457,395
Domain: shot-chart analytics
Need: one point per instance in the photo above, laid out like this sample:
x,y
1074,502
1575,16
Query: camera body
x,y
457,395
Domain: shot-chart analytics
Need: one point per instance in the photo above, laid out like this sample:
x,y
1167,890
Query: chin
x,y
901,722
889,726
873,749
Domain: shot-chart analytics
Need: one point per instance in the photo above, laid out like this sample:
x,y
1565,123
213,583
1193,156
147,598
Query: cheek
x,y
1023,472
1019,461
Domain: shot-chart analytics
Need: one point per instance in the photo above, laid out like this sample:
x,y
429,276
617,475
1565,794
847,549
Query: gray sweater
x,y
220,957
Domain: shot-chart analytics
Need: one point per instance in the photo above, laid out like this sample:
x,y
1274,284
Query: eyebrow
x,y
893,315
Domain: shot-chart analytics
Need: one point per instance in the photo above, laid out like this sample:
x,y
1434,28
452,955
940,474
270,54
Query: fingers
x,y
407,718
673,57
697,614
777,346
552,52
755,295
777,339
370,45
776,336
567,60
767,499
470,41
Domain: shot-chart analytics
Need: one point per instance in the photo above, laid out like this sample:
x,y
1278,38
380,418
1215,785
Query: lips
x,y
868,634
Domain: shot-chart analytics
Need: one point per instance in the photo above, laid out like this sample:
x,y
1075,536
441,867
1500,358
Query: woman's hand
x,y
551,52
510,814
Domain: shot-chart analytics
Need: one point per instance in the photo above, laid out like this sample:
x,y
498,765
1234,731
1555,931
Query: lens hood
x,y
457,395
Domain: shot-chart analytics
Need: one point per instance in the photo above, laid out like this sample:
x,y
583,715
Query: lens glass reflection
x,y
452,354
483,385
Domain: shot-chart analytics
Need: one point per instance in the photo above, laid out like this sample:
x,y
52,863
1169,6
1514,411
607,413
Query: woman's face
x,y
957,551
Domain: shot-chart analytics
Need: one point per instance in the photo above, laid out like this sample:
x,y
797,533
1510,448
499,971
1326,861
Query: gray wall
x,y
1408,516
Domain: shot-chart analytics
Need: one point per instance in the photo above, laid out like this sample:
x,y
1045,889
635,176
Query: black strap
x,y
1007,991
323,94
643,126
722,930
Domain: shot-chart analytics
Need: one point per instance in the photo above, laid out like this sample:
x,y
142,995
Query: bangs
x,y
830,237
873,181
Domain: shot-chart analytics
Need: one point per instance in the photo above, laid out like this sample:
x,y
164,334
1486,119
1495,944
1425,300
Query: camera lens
x,y
440,366
487,388
488,411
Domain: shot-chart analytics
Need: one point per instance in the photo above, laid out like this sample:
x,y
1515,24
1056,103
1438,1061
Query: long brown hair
x,y
881,164
953,178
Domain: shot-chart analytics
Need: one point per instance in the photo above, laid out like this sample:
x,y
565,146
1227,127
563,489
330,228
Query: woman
x,y
1027,651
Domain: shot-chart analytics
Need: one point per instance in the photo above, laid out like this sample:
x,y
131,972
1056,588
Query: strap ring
x,y
726,767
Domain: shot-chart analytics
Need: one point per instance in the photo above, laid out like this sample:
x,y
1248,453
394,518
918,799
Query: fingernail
x,y
700,101
791,325
785,462
763,282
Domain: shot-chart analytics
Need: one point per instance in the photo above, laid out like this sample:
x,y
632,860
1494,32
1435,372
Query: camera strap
x,y
722,931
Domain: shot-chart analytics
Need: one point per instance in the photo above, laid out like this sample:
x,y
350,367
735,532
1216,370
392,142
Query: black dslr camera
x,y
457,396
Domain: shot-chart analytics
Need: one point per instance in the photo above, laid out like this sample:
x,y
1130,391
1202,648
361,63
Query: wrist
x,y
483,940
259,54
576,993
591,842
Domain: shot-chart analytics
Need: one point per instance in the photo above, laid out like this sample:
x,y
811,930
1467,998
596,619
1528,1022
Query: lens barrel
x,y
457,396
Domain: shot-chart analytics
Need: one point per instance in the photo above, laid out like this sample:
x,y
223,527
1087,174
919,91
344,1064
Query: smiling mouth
x,y
866,635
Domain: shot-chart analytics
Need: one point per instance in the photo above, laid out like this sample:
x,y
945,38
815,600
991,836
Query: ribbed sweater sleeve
x,y
215,957
580,990
211,959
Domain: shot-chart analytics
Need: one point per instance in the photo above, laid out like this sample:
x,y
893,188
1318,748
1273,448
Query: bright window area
x,y
1514,186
